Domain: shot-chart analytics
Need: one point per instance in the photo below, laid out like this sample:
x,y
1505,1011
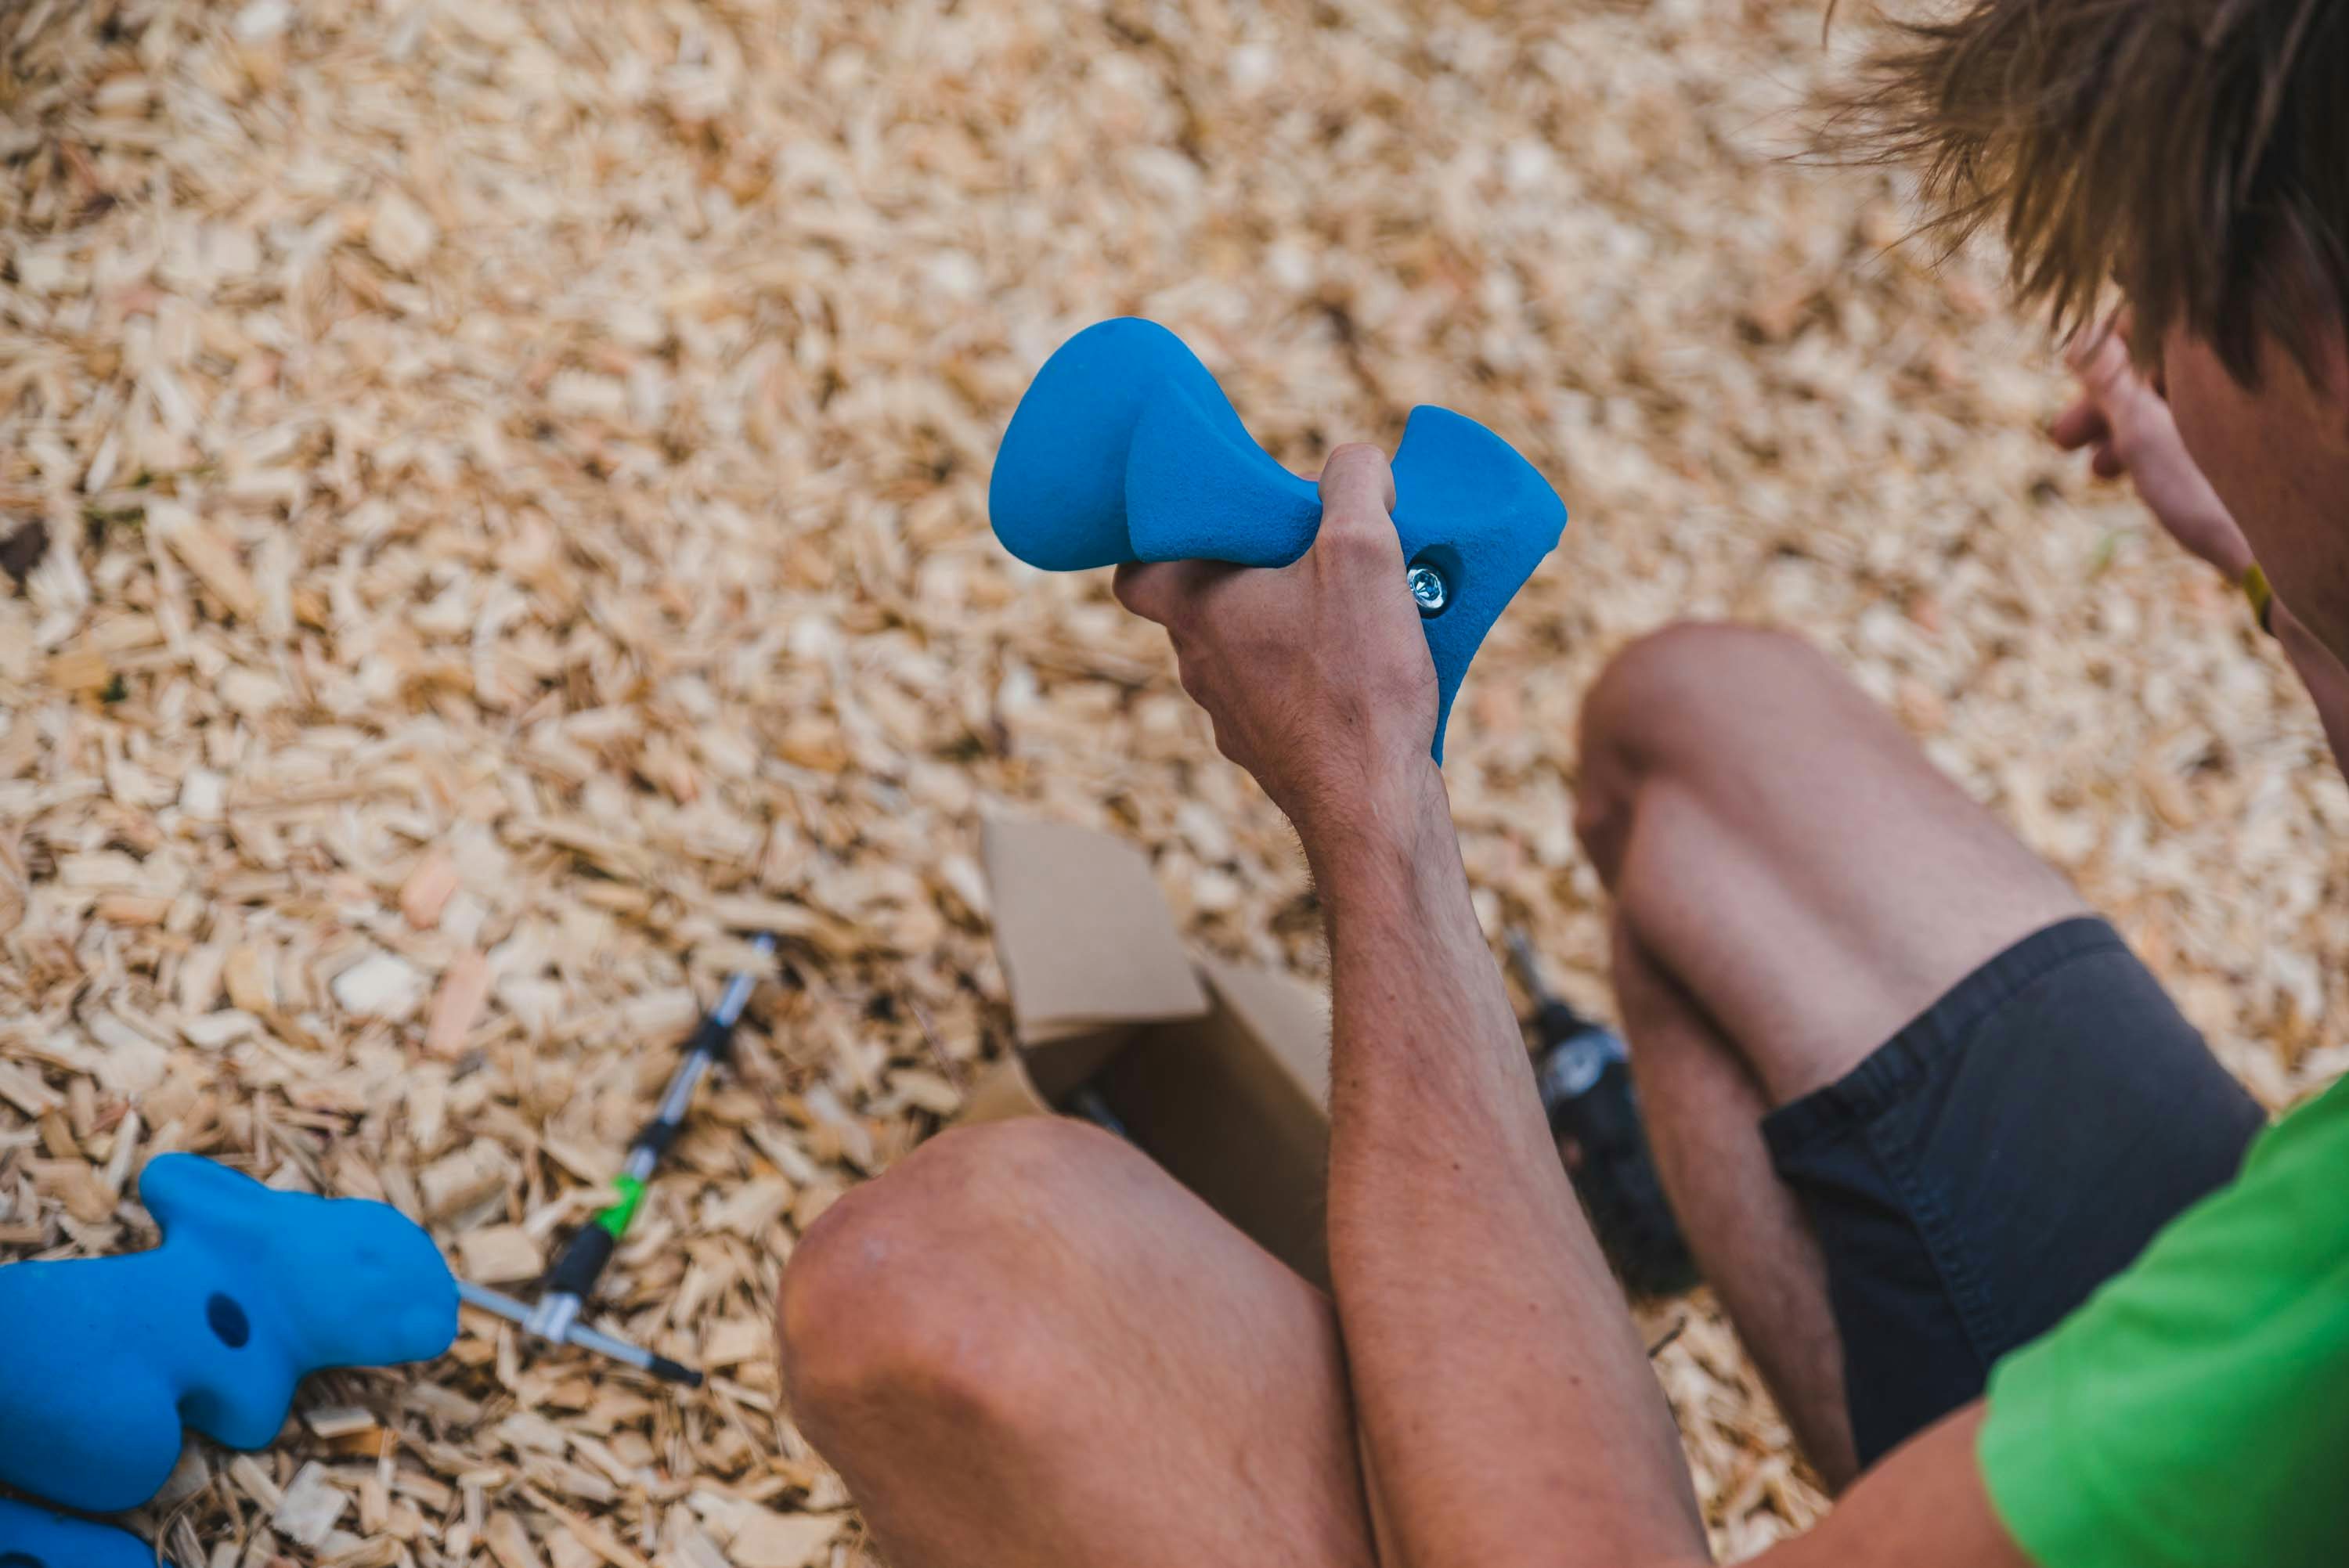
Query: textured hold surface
x,y
250,1292
1124,449
36,1538
632,553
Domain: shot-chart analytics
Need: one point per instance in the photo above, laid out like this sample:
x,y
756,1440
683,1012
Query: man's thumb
x,y
1357,486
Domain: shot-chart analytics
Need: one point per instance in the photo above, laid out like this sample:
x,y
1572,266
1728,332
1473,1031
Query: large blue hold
x,y
36,1538
251,1291
1124,449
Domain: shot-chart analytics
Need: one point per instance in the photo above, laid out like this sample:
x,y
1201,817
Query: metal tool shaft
x,y
579,1334
1526,968
568,1286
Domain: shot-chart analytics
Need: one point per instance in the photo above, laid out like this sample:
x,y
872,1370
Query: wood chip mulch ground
x,y
493,498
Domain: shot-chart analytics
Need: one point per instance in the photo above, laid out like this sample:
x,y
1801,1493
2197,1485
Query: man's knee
x,y
915,1296
1672,700
1682,681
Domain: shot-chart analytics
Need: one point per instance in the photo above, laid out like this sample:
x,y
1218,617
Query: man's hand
x,y
1317,674
2127,422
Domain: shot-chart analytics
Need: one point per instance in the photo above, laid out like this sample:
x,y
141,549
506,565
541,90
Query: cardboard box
x,y
1219,1071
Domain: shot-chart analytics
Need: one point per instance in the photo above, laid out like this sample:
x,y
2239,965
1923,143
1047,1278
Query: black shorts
x,y
1986,1169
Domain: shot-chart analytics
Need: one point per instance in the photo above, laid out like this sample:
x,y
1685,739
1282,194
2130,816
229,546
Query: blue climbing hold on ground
x,y
251,1291
34,1537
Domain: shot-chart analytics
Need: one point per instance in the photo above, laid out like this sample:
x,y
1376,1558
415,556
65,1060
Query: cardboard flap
x,y
1086,939
1291,1017
1233,1106
1003,1090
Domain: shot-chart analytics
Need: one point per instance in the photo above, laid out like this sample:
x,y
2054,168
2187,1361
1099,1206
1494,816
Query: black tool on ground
x,y
1584,1077
564,1291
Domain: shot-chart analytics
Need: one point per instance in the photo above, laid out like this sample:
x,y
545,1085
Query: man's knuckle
x,y
1137,588
1359,538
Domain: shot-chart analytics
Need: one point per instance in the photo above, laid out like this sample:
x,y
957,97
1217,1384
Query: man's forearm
x,y
1509,1412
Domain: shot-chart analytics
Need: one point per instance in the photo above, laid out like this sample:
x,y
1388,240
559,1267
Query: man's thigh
x,y
1985,1104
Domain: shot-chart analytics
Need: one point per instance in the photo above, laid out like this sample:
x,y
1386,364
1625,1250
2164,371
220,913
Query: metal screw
x,y
1575,1068
1428,589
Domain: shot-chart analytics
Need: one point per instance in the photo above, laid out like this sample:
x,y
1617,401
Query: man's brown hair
x,y
2194,152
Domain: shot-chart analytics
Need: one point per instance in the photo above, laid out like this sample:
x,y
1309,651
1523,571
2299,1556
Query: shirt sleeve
x,y
2194,1411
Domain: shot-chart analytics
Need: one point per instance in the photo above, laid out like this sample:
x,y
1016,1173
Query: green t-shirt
x,y
2195,1412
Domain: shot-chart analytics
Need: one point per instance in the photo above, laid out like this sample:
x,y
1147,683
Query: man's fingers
x,y
1165,591
1357,497
2111,380
1148,588
2086,343
2103,365
2079,425
2135,418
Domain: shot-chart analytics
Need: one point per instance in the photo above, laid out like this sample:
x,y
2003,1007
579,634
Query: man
x,y
1913,1104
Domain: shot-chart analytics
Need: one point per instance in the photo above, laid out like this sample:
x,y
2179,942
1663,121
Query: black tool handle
x,y
668,1371
581,1264
1556,1022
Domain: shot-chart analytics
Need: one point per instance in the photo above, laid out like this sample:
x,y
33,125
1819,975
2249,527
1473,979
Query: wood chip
x,y
207,551
511,1544
425,893
338,1420
464,1178
399,231
251,978
311,1505
783,1540
380,985
499,1254
457,1005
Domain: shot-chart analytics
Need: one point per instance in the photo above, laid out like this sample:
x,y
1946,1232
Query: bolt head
x,y
1428,589
1574,1069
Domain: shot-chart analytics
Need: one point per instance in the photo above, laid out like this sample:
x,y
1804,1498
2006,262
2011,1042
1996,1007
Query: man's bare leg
x,y
1746,1228
1027,1345
1794,882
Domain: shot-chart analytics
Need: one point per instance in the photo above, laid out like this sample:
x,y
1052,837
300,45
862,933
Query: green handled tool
x,y
564,1291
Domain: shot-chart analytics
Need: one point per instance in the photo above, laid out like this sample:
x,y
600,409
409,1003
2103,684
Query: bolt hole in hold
x,y
1434,579
228,1321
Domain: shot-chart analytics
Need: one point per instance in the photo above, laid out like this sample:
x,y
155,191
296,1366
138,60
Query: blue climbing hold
x,y
251,1291
1124,449
34,1537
